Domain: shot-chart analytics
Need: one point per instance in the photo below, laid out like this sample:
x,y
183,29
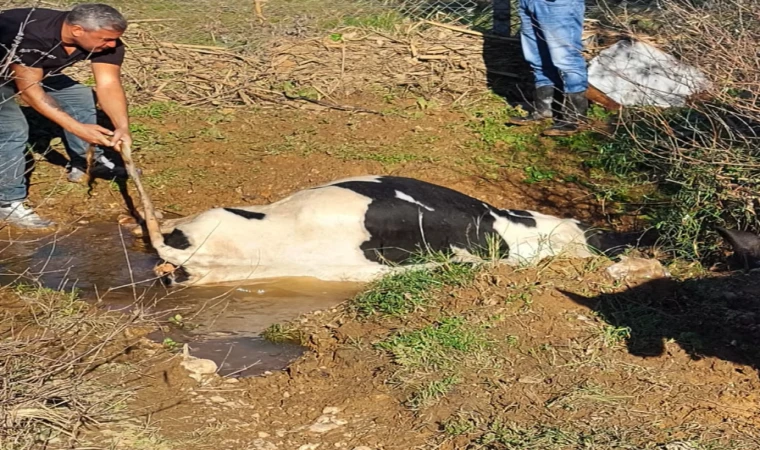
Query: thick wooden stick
x,y
151,223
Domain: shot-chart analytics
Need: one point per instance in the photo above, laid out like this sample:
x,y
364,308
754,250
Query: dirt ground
x,y
553,374
555,357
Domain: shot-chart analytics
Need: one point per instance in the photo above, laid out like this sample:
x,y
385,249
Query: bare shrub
x,y
706,154
51,344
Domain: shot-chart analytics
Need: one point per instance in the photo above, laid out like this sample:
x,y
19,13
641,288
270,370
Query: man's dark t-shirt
x,y
41,45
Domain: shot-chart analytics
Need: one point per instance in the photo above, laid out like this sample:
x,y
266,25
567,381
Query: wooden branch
x,y
471,32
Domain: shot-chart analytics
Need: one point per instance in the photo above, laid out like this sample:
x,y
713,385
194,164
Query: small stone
x,y
218,399
198,366
286,394
280,433
232,380
326,423
331,410
263,435
631,268
260,444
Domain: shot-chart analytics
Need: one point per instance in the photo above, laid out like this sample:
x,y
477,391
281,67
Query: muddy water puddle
x,y
113,269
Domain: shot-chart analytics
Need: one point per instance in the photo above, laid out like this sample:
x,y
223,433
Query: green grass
x,y
153,110
162,178
515,437
381,20
431,358
501,433
613,336
401,293
537,174
489,123
53,308
432,392
350,153
461,424
435,347
278,334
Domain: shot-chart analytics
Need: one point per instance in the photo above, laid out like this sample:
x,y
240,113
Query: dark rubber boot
x,y
573,116
542,108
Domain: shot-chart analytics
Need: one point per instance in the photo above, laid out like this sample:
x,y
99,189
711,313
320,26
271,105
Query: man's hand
x,y
93,134
120,135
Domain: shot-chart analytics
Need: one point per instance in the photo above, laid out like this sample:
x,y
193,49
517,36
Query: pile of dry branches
x,y
428,59
51,345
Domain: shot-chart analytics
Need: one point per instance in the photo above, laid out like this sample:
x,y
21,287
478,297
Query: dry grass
x,y
53,351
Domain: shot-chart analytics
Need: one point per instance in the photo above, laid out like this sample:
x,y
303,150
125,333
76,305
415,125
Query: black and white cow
x,y
357,229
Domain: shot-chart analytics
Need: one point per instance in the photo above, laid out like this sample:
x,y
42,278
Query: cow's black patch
x,y
246,214
177,239
517,216
442,218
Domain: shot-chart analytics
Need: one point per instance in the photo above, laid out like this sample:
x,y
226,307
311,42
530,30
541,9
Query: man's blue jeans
x,y
74,98
551,42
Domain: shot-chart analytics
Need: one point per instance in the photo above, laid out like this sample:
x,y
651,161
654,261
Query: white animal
x,y
358,229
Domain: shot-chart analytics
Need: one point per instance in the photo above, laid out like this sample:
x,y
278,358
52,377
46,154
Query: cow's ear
x,y
746,246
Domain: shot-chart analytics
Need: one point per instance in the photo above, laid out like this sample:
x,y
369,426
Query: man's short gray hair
x,y
97,16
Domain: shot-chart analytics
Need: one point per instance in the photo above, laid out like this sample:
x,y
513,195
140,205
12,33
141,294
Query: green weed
x,y
436,346
431,392
153,110
403,292
278,333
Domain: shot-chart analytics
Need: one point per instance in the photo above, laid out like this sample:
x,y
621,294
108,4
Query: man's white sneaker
x,y
75,175
17,214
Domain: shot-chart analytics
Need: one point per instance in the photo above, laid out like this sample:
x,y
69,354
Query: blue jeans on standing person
x,y
551,42
74,98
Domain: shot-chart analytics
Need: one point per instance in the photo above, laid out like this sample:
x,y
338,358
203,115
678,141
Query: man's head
x,y
95,26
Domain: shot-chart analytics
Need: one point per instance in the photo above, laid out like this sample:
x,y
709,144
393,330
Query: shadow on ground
x,y
707,317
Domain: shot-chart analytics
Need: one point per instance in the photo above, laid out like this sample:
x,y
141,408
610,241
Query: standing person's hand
x,y
93,134
120,136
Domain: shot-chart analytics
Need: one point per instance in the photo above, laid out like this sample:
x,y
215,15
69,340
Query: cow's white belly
x,y
314,233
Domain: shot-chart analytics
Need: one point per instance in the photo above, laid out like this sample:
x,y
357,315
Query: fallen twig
x,y
331,105
471,32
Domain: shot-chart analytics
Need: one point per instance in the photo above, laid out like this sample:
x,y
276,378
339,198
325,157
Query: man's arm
x,y
28,83
112,99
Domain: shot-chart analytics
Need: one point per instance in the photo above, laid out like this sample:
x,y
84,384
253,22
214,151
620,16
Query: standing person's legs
x,y
537,55
77,101
561,23
14,134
